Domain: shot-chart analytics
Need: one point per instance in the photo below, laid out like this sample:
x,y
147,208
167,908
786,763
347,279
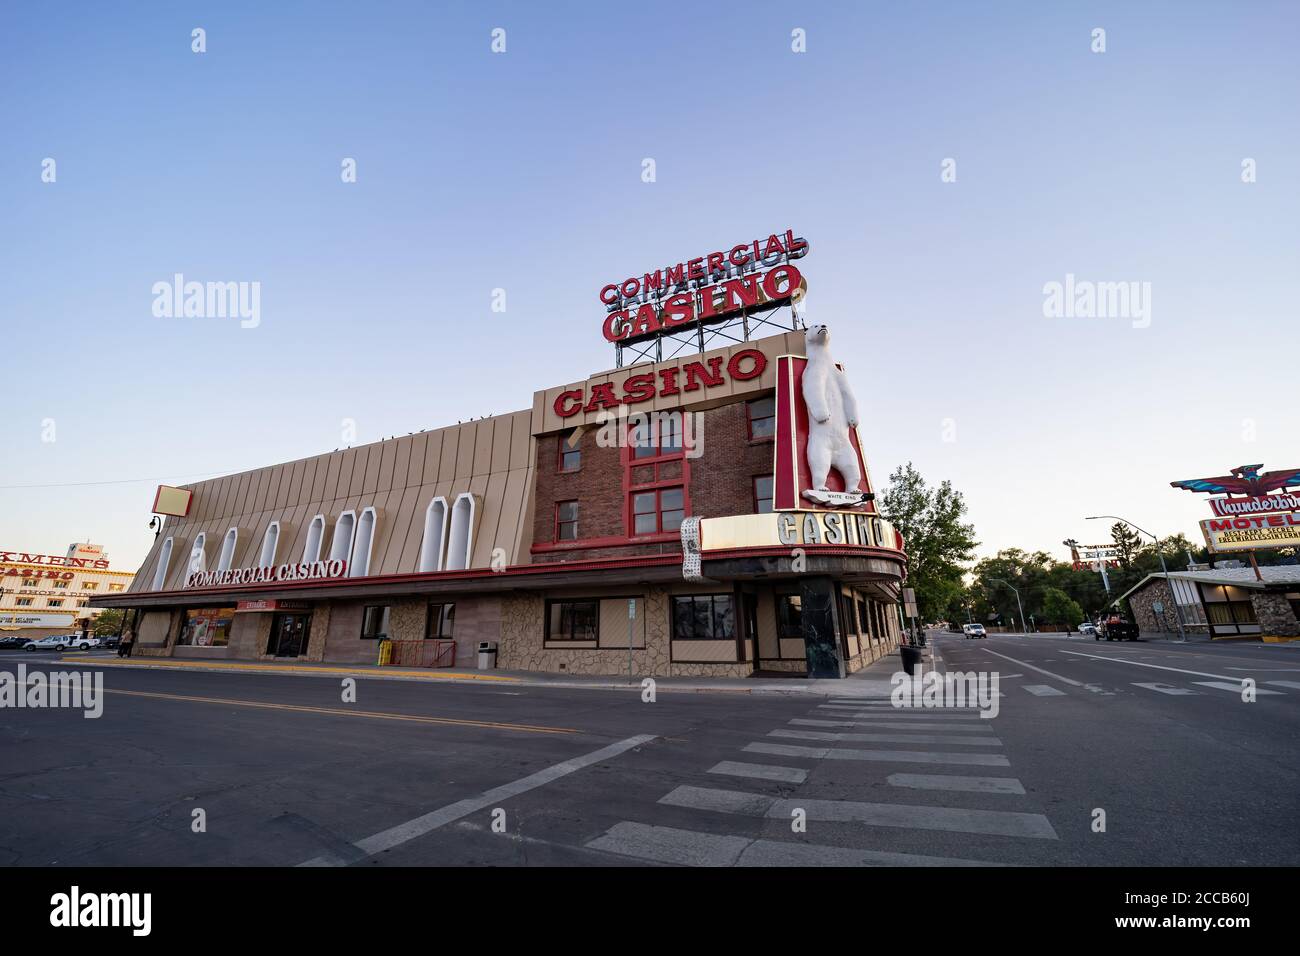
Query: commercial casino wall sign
x,y
303,571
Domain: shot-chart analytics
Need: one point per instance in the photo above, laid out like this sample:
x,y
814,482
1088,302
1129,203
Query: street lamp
x,y
1178,608
1018,604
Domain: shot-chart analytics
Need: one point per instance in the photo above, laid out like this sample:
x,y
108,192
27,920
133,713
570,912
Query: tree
x,y
1060,608
1127,544
938,543
109,621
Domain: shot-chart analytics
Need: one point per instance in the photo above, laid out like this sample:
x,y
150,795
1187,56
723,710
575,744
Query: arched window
x,y
164,559
434,545
315,537
198,554
345,530
227,555
270,540
360,564
461,543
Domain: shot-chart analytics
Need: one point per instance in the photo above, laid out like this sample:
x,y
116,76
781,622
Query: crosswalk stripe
x,y
1234,688
885,738
692,848
1164,688
1290,684
884,756
943,781
1044,690
907,816
928,713
760,771
884,724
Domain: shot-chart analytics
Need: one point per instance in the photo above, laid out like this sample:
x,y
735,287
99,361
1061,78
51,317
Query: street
x,y
195,768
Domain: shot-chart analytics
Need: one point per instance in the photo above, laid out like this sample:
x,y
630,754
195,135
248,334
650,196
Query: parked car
x,y
61,642
11,642
113,640
1088,629
973,631
1114,626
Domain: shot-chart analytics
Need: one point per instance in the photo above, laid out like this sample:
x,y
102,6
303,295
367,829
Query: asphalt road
x,y
284,772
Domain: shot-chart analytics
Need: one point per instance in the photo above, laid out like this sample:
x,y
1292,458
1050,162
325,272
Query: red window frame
x,y
555,531
750,419
563,450
657,482
771,493
659,509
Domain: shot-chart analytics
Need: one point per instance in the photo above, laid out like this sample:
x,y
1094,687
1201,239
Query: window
x,y
655,435
789,616
865,618
207,627
30,583
460,535
90,586
227,557
434,544
848,615
345,530
270,541
570,452
198,553
763,494
704,617
566,521
53,602
359,567
164,559
315,535
661,510
573,621
24,602
374,622
762,417
60,585
440,621
115,587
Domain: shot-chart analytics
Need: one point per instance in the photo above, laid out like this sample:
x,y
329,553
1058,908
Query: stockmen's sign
x,y
818,460
20,557
680,295
690,377
305,571
1090,556
1256,504
1245,532
1245,480
49,574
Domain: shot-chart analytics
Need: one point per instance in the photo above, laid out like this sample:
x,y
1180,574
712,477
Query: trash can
x,y
487,655
911,657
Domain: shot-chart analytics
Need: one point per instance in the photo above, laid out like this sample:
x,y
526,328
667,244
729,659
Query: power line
x,y
120,481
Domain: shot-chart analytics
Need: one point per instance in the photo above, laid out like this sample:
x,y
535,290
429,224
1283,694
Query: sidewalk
x,y
871,681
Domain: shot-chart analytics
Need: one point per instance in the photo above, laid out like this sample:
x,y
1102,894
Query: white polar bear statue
x,y
832,412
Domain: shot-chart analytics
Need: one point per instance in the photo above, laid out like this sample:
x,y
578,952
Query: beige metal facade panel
x,y
521,441
613,629
374,462
703,651
401,464
415,475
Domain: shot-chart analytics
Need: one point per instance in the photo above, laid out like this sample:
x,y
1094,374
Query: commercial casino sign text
x,y
303,571
705,289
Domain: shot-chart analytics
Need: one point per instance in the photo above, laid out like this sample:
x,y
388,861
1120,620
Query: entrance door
x,y
289,635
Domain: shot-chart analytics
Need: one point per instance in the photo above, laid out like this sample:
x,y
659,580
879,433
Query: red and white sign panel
x,y
792,476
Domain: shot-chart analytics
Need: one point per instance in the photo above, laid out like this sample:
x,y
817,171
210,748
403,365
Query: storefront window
x,y
374,622
206,627
441,619
573,620
704,617
789,616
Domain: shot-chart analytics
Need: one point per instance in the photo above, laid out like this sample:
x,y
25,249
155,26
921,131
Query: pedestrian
x,y
126,644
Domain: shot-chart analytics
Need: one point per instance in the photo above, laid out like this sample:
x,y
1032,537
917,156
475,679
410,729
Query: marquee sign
x,y
304,571
1090,557
706,289
690,377
1255,488
1246,532
53,560
818,462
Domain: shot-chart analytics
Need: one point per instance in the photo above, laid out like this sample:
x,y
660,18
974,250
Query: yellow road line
x,y
340,712
289,668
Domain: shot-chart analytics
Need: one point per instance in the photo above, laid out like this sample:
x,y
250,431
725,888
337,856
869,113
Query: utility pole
x,y
1018,604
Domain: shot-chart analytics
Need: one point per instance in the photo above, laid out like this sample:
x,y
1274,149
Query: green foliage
x,y
938,543
1060,608
108,622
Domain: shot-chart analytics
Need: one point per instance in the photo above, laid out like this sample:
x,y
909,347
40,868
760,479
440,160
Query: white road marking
x,y
947,713
760,771
943,781
1289,684
883,724
884,756
885,738
404,832
907,816
1166,689
1234,687
1043,690
1162,667
692,848
1065,680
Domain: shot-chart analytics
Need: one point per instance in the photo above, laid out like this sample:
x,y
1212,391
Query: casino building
x,y
46,594
672,517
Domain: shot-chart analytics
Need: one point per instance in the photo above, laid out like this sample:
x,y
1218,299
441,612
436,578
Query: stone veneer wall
x,y
1274,613
1148,621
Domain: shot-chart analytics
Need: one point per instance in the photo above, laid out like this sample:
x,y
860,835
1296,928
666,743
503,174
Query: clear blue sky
x,y
523,171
